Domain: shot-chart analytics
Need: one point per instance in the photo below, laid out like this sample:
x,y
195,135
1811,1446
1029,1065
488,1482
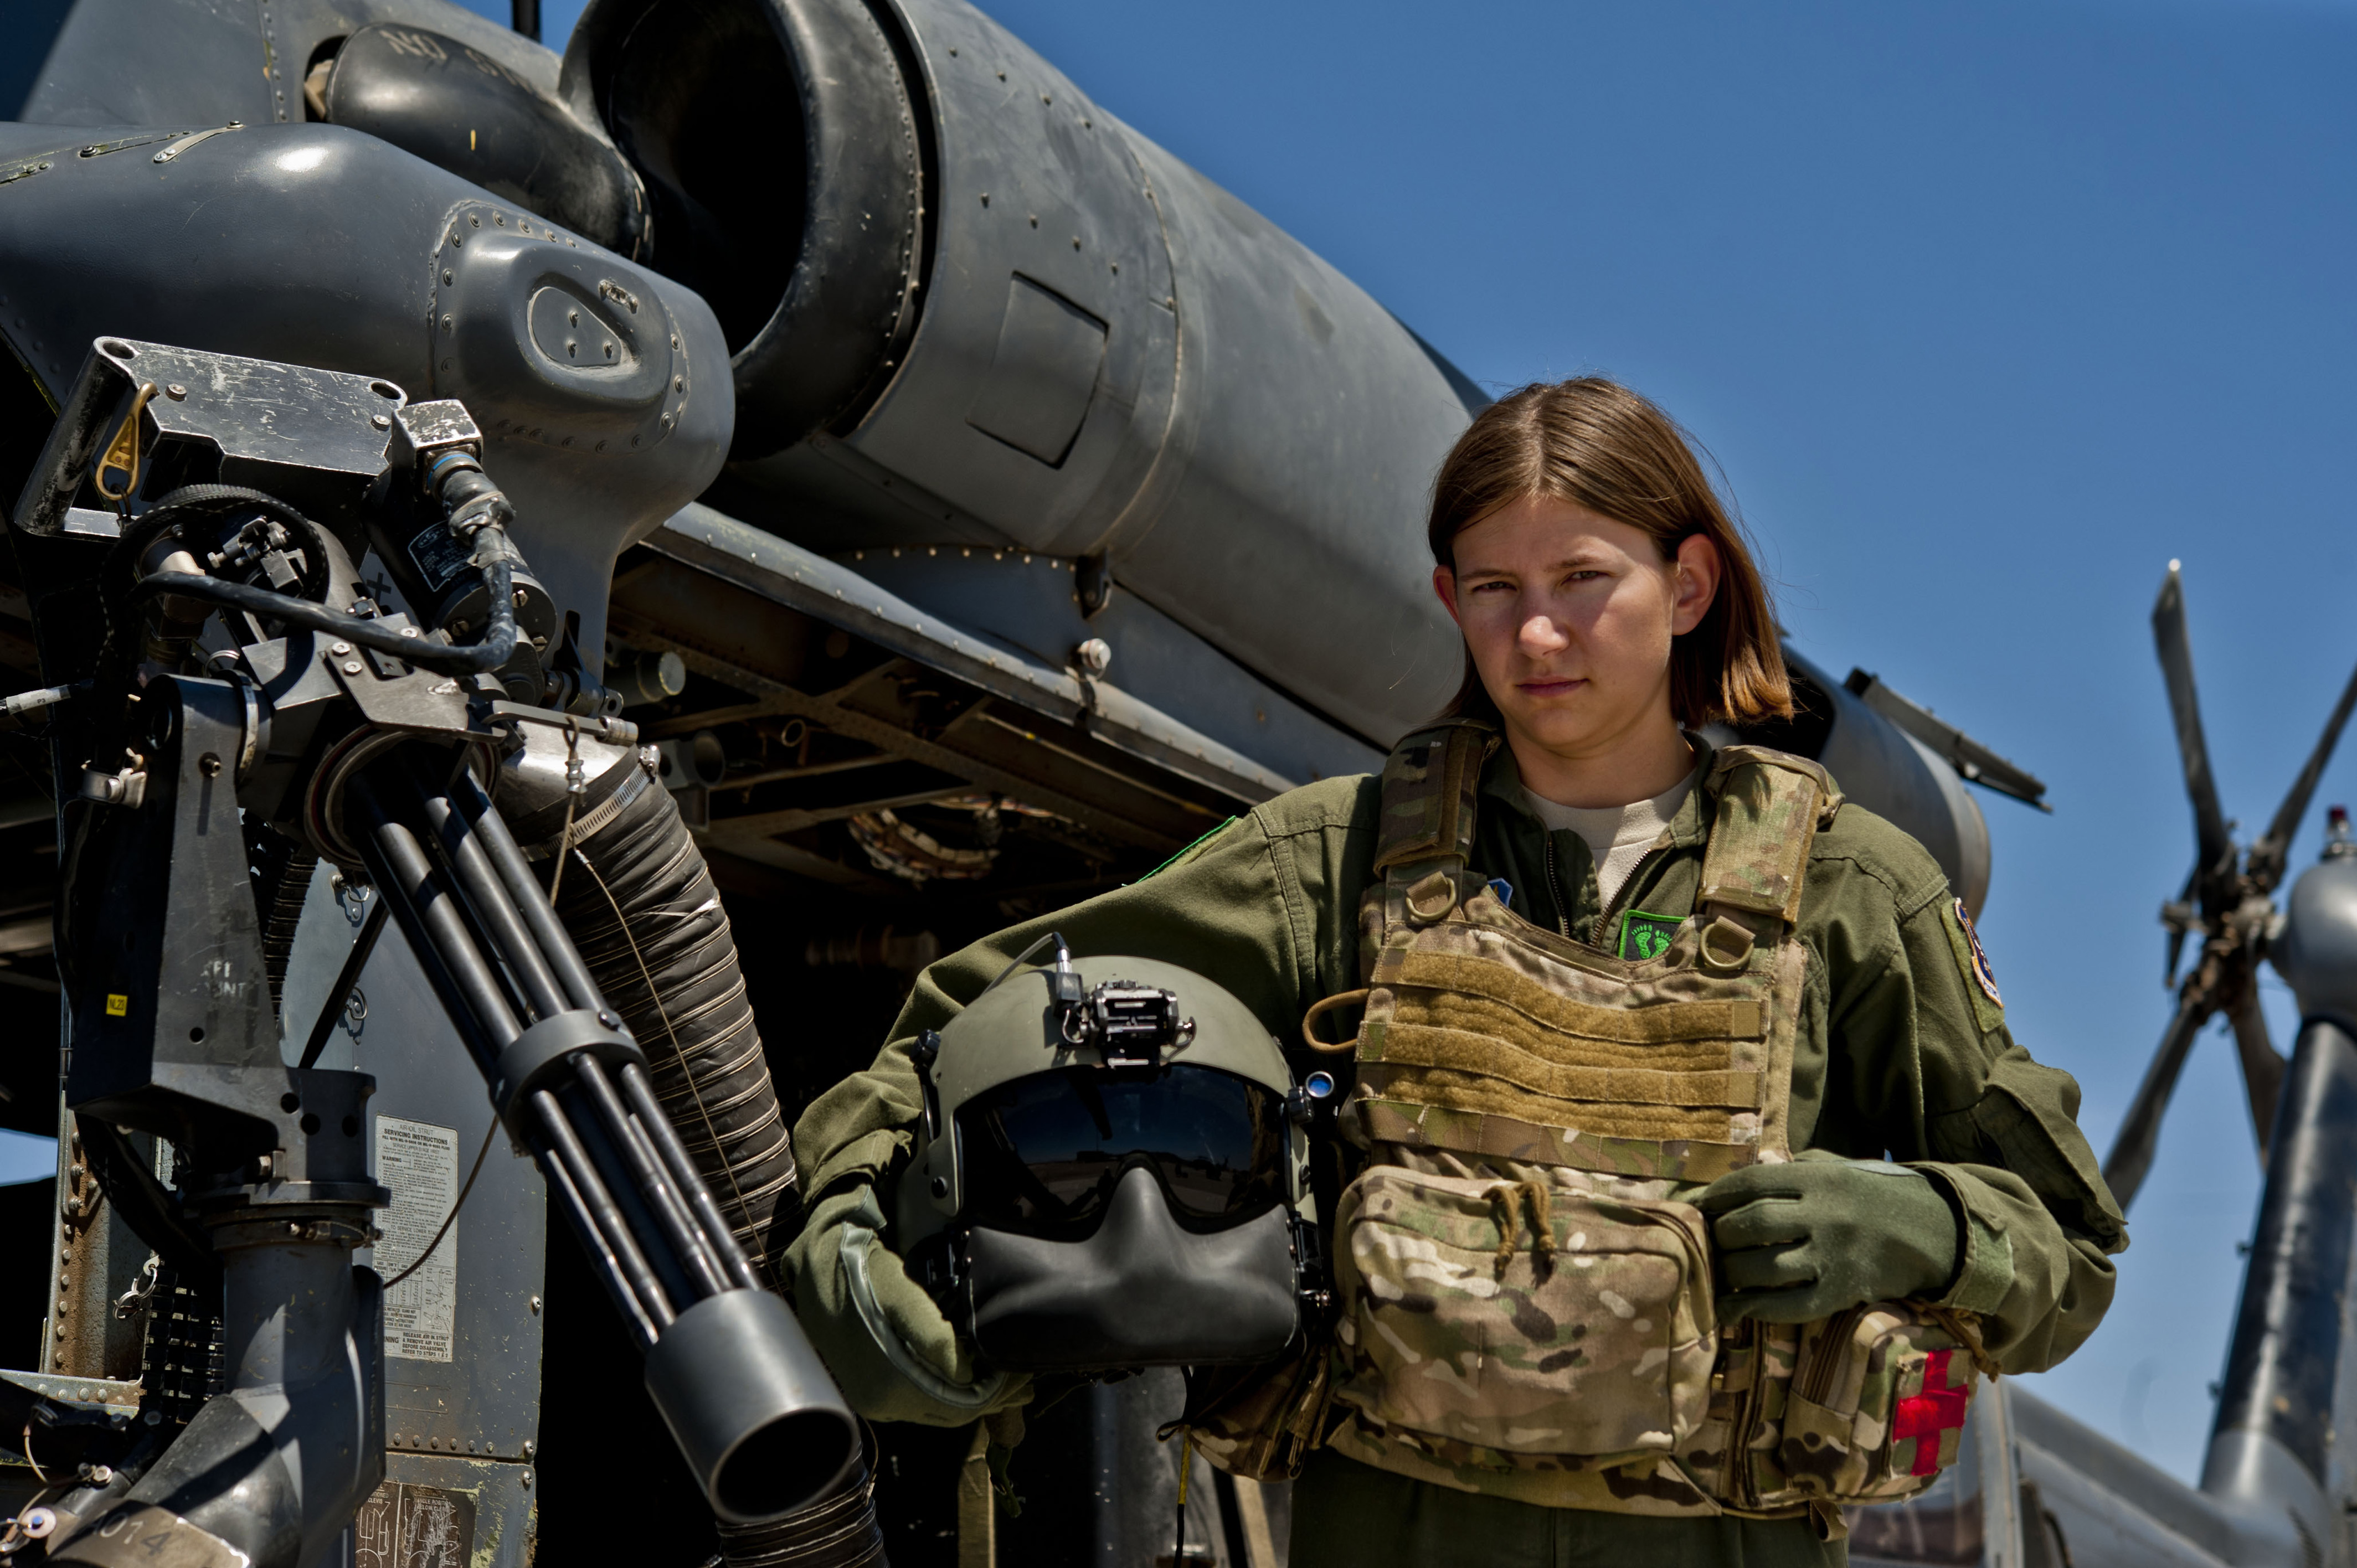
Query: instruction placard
x,y
410,1526
419,1162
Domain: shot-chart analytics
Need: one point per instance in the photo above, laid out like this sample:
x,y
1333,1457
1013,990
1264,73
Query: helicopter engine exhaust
x,y
958,296
936,335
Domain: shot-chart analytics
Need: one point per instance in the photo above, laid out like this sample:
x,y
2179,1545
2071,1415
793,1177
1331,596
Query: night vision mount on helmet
x,y
1112,1174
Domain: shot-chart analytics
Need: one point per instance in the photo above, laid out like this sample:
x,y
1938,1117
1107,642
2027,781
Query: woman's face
x,y
1569,616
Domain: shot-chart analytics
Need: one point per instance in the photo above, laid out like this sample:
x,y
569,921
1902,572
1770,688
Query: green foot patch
x,y
1644,936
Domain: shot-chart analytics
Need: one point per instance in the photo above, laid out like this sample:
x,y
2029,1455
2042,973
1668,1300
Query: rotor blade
x,y
2177,917
2263,1068
2131,1157
2268,855
2185,707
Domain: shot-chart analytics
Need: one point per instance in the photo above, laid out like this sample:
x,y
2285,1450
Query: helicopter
x,y
924,484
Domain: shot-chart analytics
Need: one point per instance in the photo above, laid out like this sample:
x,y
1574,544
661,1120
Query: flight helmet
x,y
1110,1171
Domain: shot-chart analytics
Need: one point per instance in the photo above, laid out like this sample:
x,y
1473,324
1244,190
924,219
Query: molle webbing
x,y
1468,1018
1429,782
1486,1135
1450,1057
1488,1037
1665,1023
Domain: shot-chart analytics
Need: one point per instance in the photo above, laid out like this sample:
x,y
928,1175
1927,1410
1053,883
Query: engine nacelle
x,y
969,307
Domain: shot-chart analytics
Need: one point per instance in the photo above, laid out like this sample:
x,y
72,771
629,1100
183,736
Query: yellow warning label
x,y
117,1004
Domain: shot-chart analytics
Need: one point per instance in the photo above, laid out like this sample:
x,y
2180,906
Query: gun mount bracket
x,y
542,1054
306,435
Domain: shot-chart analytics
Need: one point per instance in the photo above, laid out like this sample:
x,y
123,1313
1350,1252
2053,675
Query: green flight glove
x,y
1805,1240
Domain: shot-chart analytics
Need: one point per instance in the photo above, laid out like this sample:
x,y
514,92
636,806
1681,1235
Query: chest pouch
x,y
1529,1318
1873,1411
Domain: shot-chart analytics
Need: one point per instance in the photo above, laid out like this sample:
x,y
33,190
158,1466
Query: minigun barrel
x,y
742,1389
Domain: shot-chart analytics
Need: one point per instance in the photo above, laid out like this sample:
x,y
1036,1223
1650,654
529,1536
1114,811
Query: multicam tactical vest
x,y
1526,1293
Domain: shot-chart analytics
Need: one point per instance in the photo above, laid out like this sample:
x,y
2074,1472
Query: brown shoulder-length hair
x,y
1597,445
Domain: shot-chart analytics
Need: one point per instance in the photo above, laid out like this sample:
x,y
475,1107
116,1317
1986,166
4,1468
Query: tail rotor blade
x,y
2262,1068
2131,1157
2266,859
2185,707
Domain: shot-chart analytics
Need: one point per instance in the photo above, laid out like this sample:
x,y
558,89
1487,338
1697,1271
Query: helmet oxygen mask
x,y
1110,1175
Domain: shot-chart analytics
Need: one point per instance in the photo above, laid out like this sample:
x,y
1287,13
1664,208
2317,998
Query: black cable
x,y
118,578
451,1218
340,997
498,645
121,587
1063,955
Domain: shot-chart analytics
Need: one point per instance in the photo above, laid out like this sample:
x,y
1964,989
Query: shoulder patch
x,y
1973,959
1644,936
1190,851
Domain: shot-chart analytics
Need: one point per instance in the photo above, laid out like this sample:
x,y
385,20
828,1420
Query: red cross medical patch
x,y
1925,1416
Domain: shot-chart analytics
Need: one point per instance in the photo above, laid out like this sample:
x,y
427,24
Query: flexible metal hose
x,y
840,1533
639,903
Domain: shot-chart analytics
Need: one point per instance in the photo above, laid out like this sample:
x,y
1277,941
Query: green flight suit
x,y
1902,1051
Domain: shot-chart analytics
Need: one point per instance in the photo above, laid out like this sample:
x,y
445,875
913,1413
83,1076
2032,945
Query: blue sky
x,y
1987,312
24,1157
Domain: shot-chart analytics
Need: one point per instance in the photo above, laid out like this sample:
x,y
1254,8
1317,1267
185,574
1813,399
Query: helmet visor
x,y
1043,1154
